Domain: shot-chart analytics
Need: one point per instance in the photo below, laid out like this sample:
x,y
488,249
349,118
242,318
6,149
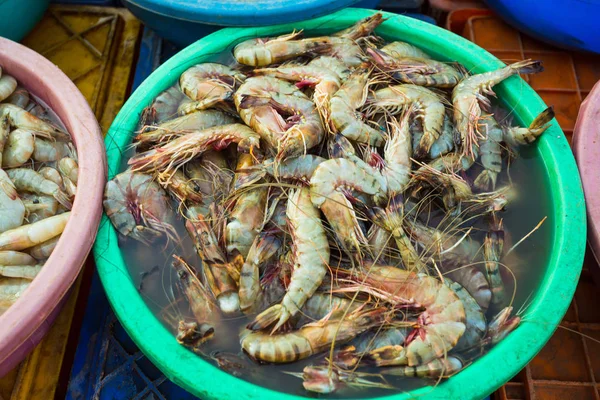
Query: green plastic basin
x,y
548,304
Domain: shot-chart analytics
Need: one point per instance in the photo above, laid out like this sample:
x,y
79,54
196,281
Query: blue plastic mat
x,y
107,364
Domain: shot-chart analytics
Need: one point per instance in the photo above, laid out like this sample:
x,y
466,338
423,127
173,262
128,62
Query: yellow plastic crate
x,y
95,47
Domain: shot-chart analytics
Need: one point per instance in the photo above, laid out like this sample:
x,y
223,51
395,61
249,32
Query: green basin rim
x,y
486,374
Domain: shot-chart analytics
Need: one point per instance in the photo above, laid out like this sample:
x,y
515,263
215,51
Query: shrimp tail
x,y
63,199
9,189
340,147
527,67
486,180
251,175
276,313
392,219
540,122
387,356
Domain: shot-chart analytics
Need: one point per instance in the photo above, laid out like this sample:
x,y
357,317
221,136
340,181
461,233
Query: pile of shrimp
x,y
38,181
332,187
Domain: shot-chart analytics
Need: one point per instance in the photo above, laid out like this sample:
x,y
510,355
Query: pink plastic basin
x,y
29,319
586,146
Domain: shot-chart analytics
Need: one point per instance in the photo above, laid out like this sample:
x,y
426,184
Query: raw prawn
x,y
208,84
428,105
31,181
138,207
344,103
31,235
311,259
310,339
471,91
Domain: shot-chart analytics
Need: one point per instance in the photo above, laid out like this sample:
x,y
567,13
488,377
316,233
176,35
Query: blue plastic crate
x,y
107,364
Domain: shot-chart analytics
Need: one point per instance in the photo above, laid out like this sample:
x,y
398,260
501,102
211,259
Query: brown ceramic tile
x,y
593,348
566,107
561,359
564,392
558,72
492,33
587,67
588,301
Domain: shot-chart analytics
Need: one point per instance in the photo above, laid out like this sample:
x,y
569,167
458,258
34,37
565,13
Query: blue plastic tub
x,y
572,24
20,16
185,21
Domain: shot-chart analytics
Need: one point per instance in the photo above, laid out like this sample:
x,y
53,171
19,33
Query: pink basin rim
x,y
586,146
21,326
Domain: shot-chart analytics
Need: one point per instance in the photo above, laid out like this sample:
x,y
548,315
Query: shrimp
x,y
8,84
263,249
44,249
493,247
298,170
473,280
332,64
400,50
284,117
207,246
381,243
12,209
454,188
439,368
330,187
476,326
201,303
445,143
171,156
11,289
444,248
351,96
324,81
4,134
516,135
311,259
52,175
396,164
490,151
183,189
427,104
261,52
31,235
164,106
208,84
47,206
10,257
69,170
501,325
439,326
323,379
418,71
471,91
138,207
362,28
18,148
47,151
20,97
20,271
174,128
319,305
391,220
247,215
29,180
19,118
310,339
